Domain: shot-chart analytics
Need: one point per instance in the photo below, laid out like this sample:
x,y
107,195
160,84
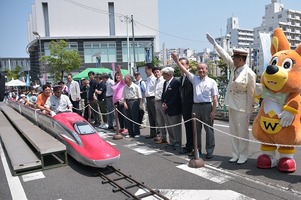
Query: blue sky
x,y
183,24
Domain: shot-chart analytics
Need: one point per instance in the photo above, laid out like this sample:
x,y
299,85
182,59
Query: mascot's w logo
x,y
269,125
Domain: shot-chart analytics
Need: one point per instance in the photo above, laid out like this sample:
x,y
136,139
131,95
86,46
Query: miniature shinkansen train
x,y
81,139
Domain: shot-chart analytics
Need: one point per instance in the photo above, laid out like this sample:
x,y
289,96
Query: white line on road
x,y
206,173
15,186
176,194
141,149
33,176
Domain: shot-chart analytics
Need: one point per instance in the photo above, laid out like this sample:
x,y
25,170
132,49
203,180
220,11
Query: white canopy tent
x,y
15,83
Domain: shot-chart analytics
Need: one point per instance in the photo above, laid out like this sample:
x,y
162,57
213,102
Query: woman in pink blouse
x,y
118,99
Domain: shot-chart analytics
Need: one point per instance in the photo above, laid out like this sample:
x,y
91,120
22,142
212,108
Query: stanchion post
x,y
196,162
117,135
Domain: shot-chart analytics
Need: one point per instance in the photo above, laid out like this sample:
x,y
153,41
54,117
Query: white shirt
x,y
159,88
109,85
150,86
131,92
203,88
167,83
58,104
74,90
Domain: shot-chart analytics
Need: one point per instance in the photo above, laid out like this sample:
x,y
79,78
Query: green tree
x,y
61,60
223,67
13,74
211,69
192,66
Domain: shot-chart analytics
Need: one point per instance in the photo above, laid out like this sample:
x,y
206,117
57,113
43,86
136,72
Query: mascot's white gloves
x,y
52,113
210,39
258,89
286,118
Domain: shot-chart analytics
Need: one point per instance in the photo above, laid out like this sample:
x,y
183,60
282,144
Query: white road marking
x,y
206,173
141,149
176,194
15,186
33,176
111,143
144,151
106,135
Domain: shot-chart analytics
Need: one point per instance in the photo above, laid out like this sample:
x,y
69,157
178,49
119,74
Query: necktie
x,y
235,74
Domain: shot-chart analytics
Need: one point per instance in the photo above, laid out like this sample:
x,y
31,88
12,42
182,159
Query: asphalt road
x,y
159,168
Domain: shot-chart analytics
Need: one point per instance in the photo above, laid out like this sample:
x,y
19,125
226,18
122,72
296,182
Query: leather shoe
x,y
161,141
209,156
176,146
150,136
169,146
184,151
233,160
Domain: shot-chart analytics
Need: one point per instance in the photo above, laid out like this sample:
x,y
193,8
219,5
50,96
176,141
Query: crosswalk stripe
x,y
33,176
141,149
206,173
176,194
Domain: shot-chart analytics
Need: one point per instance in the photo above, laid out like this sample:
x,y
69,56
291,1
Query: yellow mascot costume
x,y
278,121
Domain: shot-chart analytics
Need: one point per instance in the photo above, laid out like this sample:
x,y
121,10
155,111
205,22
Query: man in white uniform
x,y
239,98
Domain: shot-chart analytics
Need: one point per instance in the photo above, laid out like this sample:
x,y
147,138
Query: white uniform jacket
x,y
74,90
240,92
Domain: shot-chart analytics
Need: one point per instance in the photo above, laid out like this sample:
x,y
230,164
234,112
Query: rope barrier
x,y
228,134
81,109
248,140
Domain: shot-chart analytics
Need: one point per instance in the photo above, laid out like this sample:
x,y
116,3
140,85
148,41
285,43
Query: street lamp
x,y
40,47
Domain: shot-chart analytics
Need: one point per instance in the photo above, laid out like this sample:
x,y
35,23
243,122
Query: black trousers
x,y
187,114
133,114
120,117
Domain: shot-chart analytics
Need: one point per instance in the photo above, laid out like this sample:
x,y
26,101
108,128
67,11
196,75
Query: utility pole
x,y
132,20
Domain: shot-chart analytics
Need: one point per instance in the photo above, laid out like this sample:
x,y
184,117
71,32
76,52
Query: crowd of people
x,y
167,100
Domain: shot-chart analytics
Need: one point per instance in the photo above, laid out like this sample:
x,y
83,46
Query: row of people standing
x,y
198,94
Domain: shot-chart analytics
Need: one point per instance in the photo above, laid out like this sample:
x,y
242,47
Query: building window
x,y
143,51
46,18
111,18
271,28
105,50
280,16
71,46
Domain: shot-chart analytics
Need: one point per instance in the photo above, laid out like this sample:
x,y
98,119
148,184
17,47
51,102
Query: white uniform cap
x,y
240,52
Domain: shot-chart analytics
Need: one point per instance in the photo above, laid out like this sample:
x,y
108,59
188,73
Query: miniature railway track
x,y
126,184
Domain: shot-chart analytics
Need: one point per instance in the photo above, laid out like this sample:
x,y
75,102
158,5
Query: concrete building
x,y
101,31
12,63
239,37
276,16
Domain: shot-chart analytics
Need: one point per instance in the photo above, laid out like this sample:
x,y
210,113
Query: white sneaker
x,y
233,160
241,161
127,136
104,126
137,136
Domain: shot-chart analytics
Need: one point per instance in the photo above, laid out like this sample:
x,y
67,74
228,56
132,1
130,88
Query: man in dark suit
x,y
186,92
171,103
